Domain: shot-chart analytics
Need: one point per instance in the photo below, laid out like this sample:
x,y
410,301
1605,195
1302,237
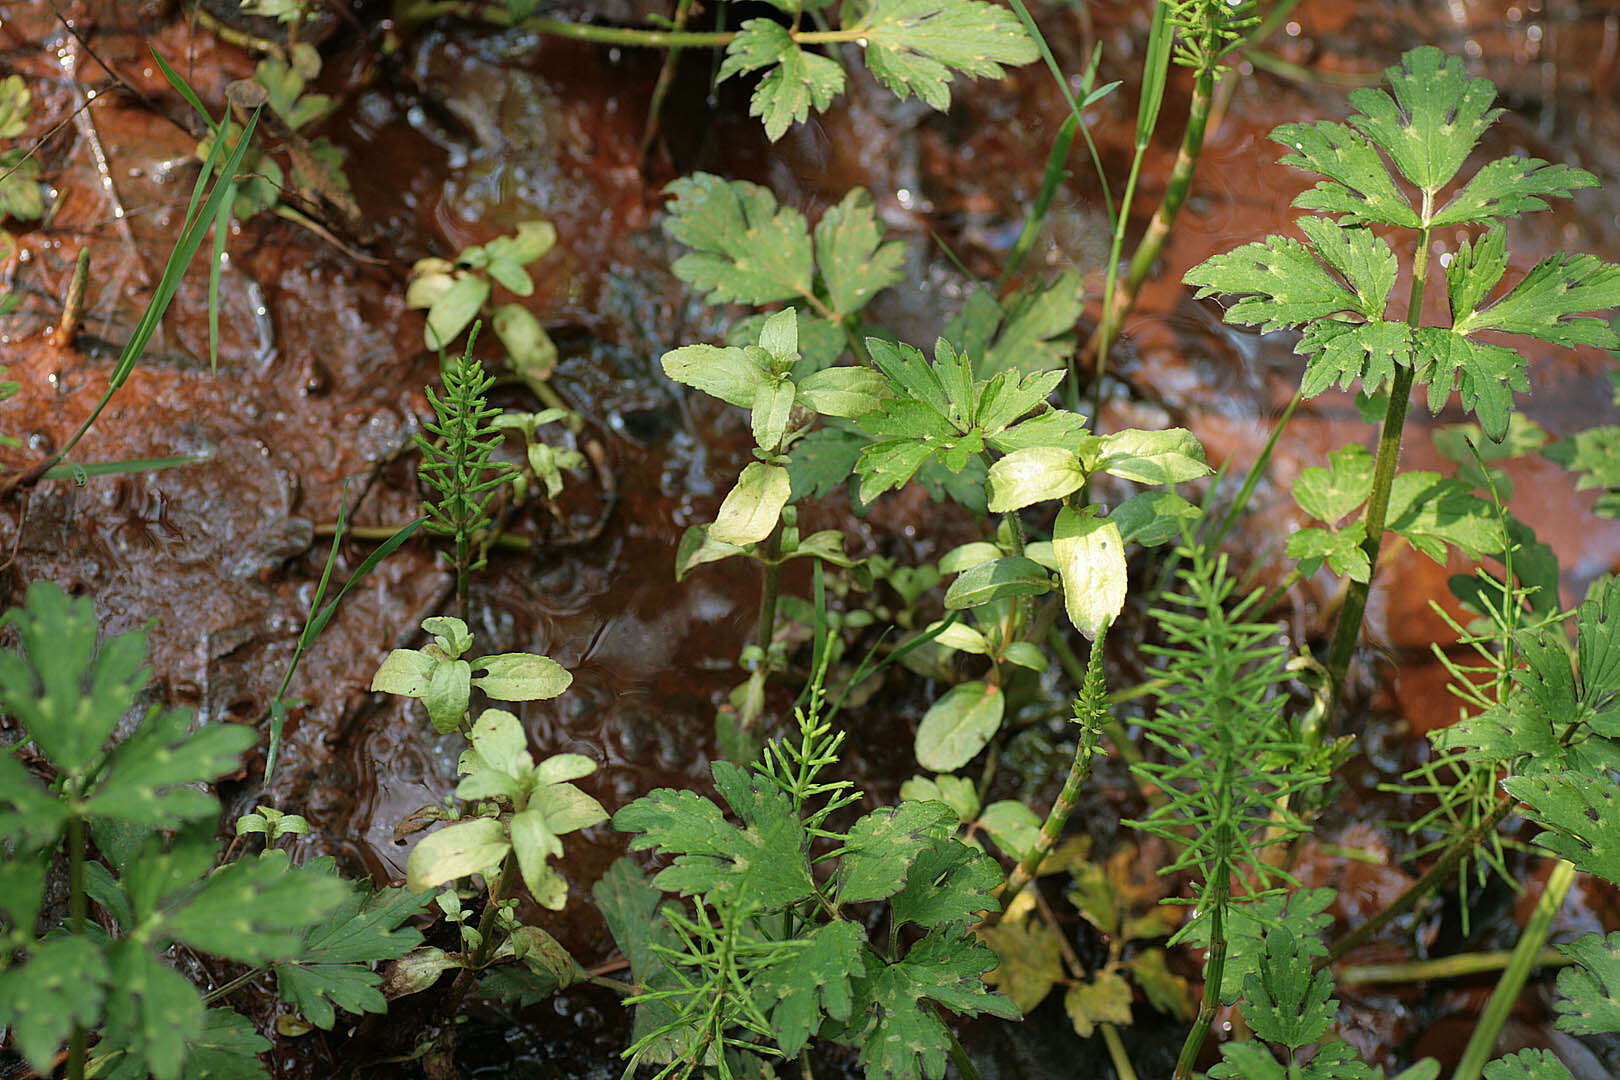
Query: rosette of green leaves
x,y
453,293
443,681
759,378
521,808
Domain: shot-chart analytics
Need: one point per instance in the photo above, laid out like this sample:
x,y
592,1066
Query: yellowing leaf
x,y
754,506
1031,961
467,847
1091,562
1106,1000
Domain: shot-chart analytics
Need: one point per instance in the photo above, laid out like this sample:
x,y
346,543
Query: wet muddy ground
x,y
455,132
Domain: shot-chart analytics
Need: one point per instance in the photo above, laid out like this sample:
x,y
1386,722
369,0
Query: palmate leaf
x,y
62,983
153,1013
881,847
1510,187
67,693
948,884
1304,911
912,46
1528,1065
1252,1061
905,1038
1339,548
1329,494
228,1048
1343,352
819,463
332,965
252,910
1358,185
1590,1004
1433,121
150,775
763,863
1280,283
811,982
1284,1002
1581,816
744,247
1486,375
1432,511
1548,303
1037,329
1029,958
854,262
1594,456
797,79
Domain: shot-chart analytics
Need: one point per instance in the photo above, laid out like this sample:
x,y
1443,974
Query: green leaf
x,y
881,847
1548,303
812,981
958,725
796,81
1285,1003
948,885
14,98
1329,494
254,909
696,548
566,807
1037,332
498,760
1166,456
997,579
448,692
1487,375
754,506
405,672
912,46
1248,1061
773,407
1026,477
1165,990
228,1048
1361,257
954,791
629,903
1103,999
1432,512
1280,283
1581,816
763,863
904,1037
1340,549
855,264
729,373
1344,352
1012,825
842,391
1357,185
62,984
68,694
744,248
1154,517
154,1012
1511,187
1304,910
1590,1001
1091,562
332,967
532,353
820,462
520,677
1030,961
150,775
1434,120
455,851
1528,1065
20,194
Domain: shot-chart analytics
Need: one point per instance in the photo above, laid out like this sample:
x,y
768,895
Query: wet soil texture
x,y
454,132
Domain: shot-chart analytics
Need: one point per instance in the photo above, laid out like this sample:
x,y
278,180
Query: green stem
x,y
1118,304
959,1056
1105,328
1446,967
1214,972
1056,159
666,76
1483,1041
1348,630
77,909
1437,874
1076,671
1116,1052
227,989
770,590
486,934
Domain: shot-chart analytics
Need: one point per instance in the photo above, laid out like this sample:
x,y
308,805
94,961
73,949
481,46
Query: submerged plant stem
x,y
1482,1043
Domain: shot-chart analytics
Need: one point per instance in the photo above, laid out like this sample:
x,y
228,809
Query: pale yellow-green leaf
x,y
567,808
528,346
521,677
754,506
1091,561
405,672
1026,477
958,726
842,391
962,637
1031,961
448,691
1165,990
534,843
453,309
726,373
455,851
1106,1000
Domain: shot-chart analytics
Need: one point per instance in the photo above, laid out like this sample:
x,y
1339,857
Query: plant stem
x,y
1111,291
1483,1040
77,908
1076,671
1442,869
1214,972
666,76
770,590
1119,304
486,933
1446,967
1116,1052
1095,716
1348,630
226,989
